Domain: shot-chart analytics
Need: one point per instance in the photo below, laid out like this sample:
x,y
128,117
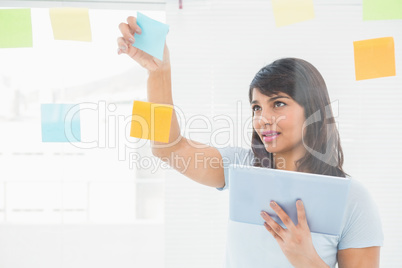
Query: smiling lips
x,y
269,136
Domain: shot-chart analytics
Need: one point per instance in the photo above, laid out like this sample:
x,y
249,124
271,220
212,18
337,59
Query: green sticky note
x,y
382,9
15,28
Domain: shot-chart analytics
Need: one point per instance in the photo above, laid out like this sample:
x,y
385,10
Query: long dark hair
x,y
302,82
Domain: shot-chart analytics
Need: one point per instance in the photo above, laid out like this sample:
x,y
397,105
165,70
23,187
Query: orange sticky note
x,y
374,58
151,121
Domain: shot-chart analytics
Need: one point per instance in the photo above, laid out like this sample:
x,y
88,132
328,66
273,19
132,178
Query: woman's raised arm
x,y
197,161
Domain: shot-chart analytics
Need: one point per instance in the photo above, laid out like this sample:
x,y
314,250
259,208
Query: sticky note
x,y
292,11
382,9
152,37
15,28
374,58
70,24
151,121
60,123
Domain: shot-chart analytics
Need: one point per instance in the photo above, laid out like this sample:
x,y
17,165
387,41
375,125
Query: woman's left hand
x,y
295,241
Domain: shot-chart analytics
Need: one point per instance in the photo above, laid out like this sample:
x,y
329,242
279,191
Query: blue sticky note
x,y
152,37
60,123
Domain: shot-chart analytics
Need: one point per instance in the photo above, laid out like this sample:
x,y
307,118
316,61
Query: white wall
x,y
72,246
62,205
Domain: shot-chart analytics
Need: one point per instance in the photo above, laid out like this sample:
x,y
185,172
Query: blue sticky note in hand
x,y
61,123
152,37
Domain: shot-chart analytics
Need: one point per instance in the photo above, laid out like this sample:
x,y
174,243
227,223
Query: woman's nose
x,y
265,119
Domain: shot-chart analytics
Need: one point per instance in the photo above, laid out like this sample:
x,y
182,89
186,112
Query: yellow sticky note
x,y
374,58
292,11
151,121
70,24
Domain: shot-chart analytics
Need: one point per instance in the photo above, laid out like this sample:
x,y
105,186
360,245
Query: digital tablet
x,y
253,188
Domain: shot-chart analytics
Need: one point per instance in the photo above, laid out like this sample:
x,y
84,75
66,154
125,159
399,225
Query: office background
x,y
113,204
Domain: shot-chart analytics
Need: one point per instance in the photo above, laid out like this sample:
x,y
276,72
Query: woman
x,y
293,130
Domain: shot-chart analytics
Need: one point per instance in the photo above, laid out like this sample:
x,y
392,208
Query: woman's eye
x,y
256,108
279,104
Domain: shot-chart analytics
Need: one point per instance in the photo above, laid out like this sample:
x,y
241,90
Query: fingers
x,y
301,214
127,32
123,45
132,22
273,227
283,216
273,233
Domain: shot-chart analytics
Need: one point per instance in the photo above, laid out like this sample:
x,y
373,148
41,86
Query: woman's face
x,y
278,120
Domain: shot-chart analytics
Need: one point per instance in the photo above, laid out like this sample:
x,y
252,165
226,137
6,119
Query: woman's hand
x,y
295,241
126,42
